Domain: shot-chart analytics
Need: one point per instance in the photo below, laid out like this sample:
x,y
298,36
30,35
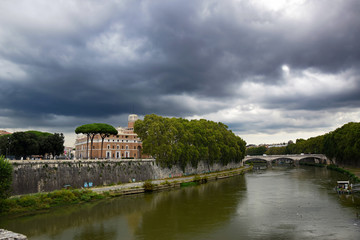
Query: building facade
x,y
125,144
3,132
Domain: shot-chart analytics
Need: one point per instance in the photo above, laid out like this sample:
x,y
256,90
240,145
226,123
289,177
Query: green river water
x,y
278,203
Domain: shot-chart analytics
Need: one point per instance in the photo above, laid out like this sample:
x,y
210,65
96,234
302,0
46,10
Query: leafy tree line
x,y
91,130
24,144
177,141
260,150
343,145
5,180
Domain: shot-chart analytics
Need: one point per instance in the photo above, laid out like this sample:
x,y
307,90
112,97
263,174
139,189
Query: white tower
x,y
131,120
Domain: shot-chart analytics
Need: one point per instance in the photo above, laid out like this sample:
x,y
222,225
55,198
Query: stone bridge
x,y
293,159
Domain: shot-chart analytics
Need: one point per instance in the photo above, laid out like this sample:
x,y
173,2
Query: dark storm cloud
x,y
98,60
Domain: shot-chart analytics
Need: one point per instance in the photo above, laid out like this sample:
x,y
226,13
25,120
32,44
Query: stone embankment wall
x,y
47,175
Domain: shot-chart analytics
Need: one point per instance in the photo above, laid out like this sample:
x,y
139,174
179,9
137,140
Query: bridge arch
x,y
311,160
255,160
283,161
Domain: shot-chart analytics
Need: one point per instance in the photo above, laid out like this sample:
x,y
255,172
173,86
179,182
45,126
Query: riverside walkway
x,y
160,184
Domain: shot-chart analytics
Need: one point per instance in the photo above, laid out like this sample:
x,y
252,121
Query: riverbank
x,y
40,202
355,171
352,172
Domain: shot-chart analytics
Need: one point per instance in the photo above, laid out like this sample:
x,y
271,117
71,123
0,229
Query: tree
x,y
23,144
56,143
5,178
91,130
105,130
256,150
85,129
177,141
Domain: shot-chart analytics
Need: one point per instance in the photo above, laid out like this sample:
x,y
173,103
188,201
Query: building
x,y
3,132
125,144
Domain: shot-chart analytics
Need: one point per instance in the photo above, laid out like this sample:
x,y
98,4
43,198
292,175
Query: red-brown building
x,y
125,144
3,132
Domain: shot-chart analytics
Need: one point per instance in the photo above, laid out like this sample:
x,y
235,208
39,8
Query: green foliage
x,y
6,170
148,186
177,141
23,144
197,179
38,133
92,129
42,201
352,177
276,151
343,145
256,150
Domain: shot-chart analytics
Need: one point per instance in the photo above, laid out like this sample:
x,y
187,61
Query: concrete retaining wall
x,y
48,175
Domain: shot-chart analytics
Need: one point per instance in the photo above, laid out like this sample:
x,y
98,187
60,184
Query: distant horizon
x,y
257,138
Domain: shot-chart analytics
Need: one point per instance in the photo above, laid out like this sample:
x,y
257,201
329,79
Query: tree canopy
x,y
343,145
92,129
260,150
177,141
5,178
24,144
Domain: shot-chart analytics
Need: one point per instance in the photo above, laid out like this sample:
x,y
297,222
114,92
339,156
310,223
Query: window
x,y
127,147
135,147
117,147
108,146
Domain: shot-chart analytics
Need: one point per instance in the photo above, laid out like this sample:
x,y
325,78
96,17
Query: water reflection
x,y
277,203
193,210
95,232
142,216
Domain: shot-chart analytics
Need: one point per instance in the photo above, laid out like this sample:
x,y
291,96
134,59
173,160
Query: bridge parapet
x,y
295,157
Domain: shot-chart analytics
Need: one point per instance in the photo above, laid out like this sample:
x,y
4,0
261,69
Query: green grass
x,y
352,177
44,201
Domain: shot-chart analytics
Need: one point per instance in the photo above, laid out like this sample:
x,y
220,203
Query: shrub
x,y
6,170
148,186
197,179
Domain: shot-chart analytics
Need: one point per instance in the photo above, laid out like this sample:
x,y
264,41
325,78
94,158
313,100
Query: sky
x,y
272,70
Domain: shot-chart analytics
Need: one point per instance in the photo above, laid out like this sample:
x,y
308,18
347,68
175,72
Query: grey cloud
x,y
110,58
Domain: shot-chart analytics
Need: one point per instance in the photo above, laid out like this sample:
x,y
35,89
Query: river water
x,y
278,203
